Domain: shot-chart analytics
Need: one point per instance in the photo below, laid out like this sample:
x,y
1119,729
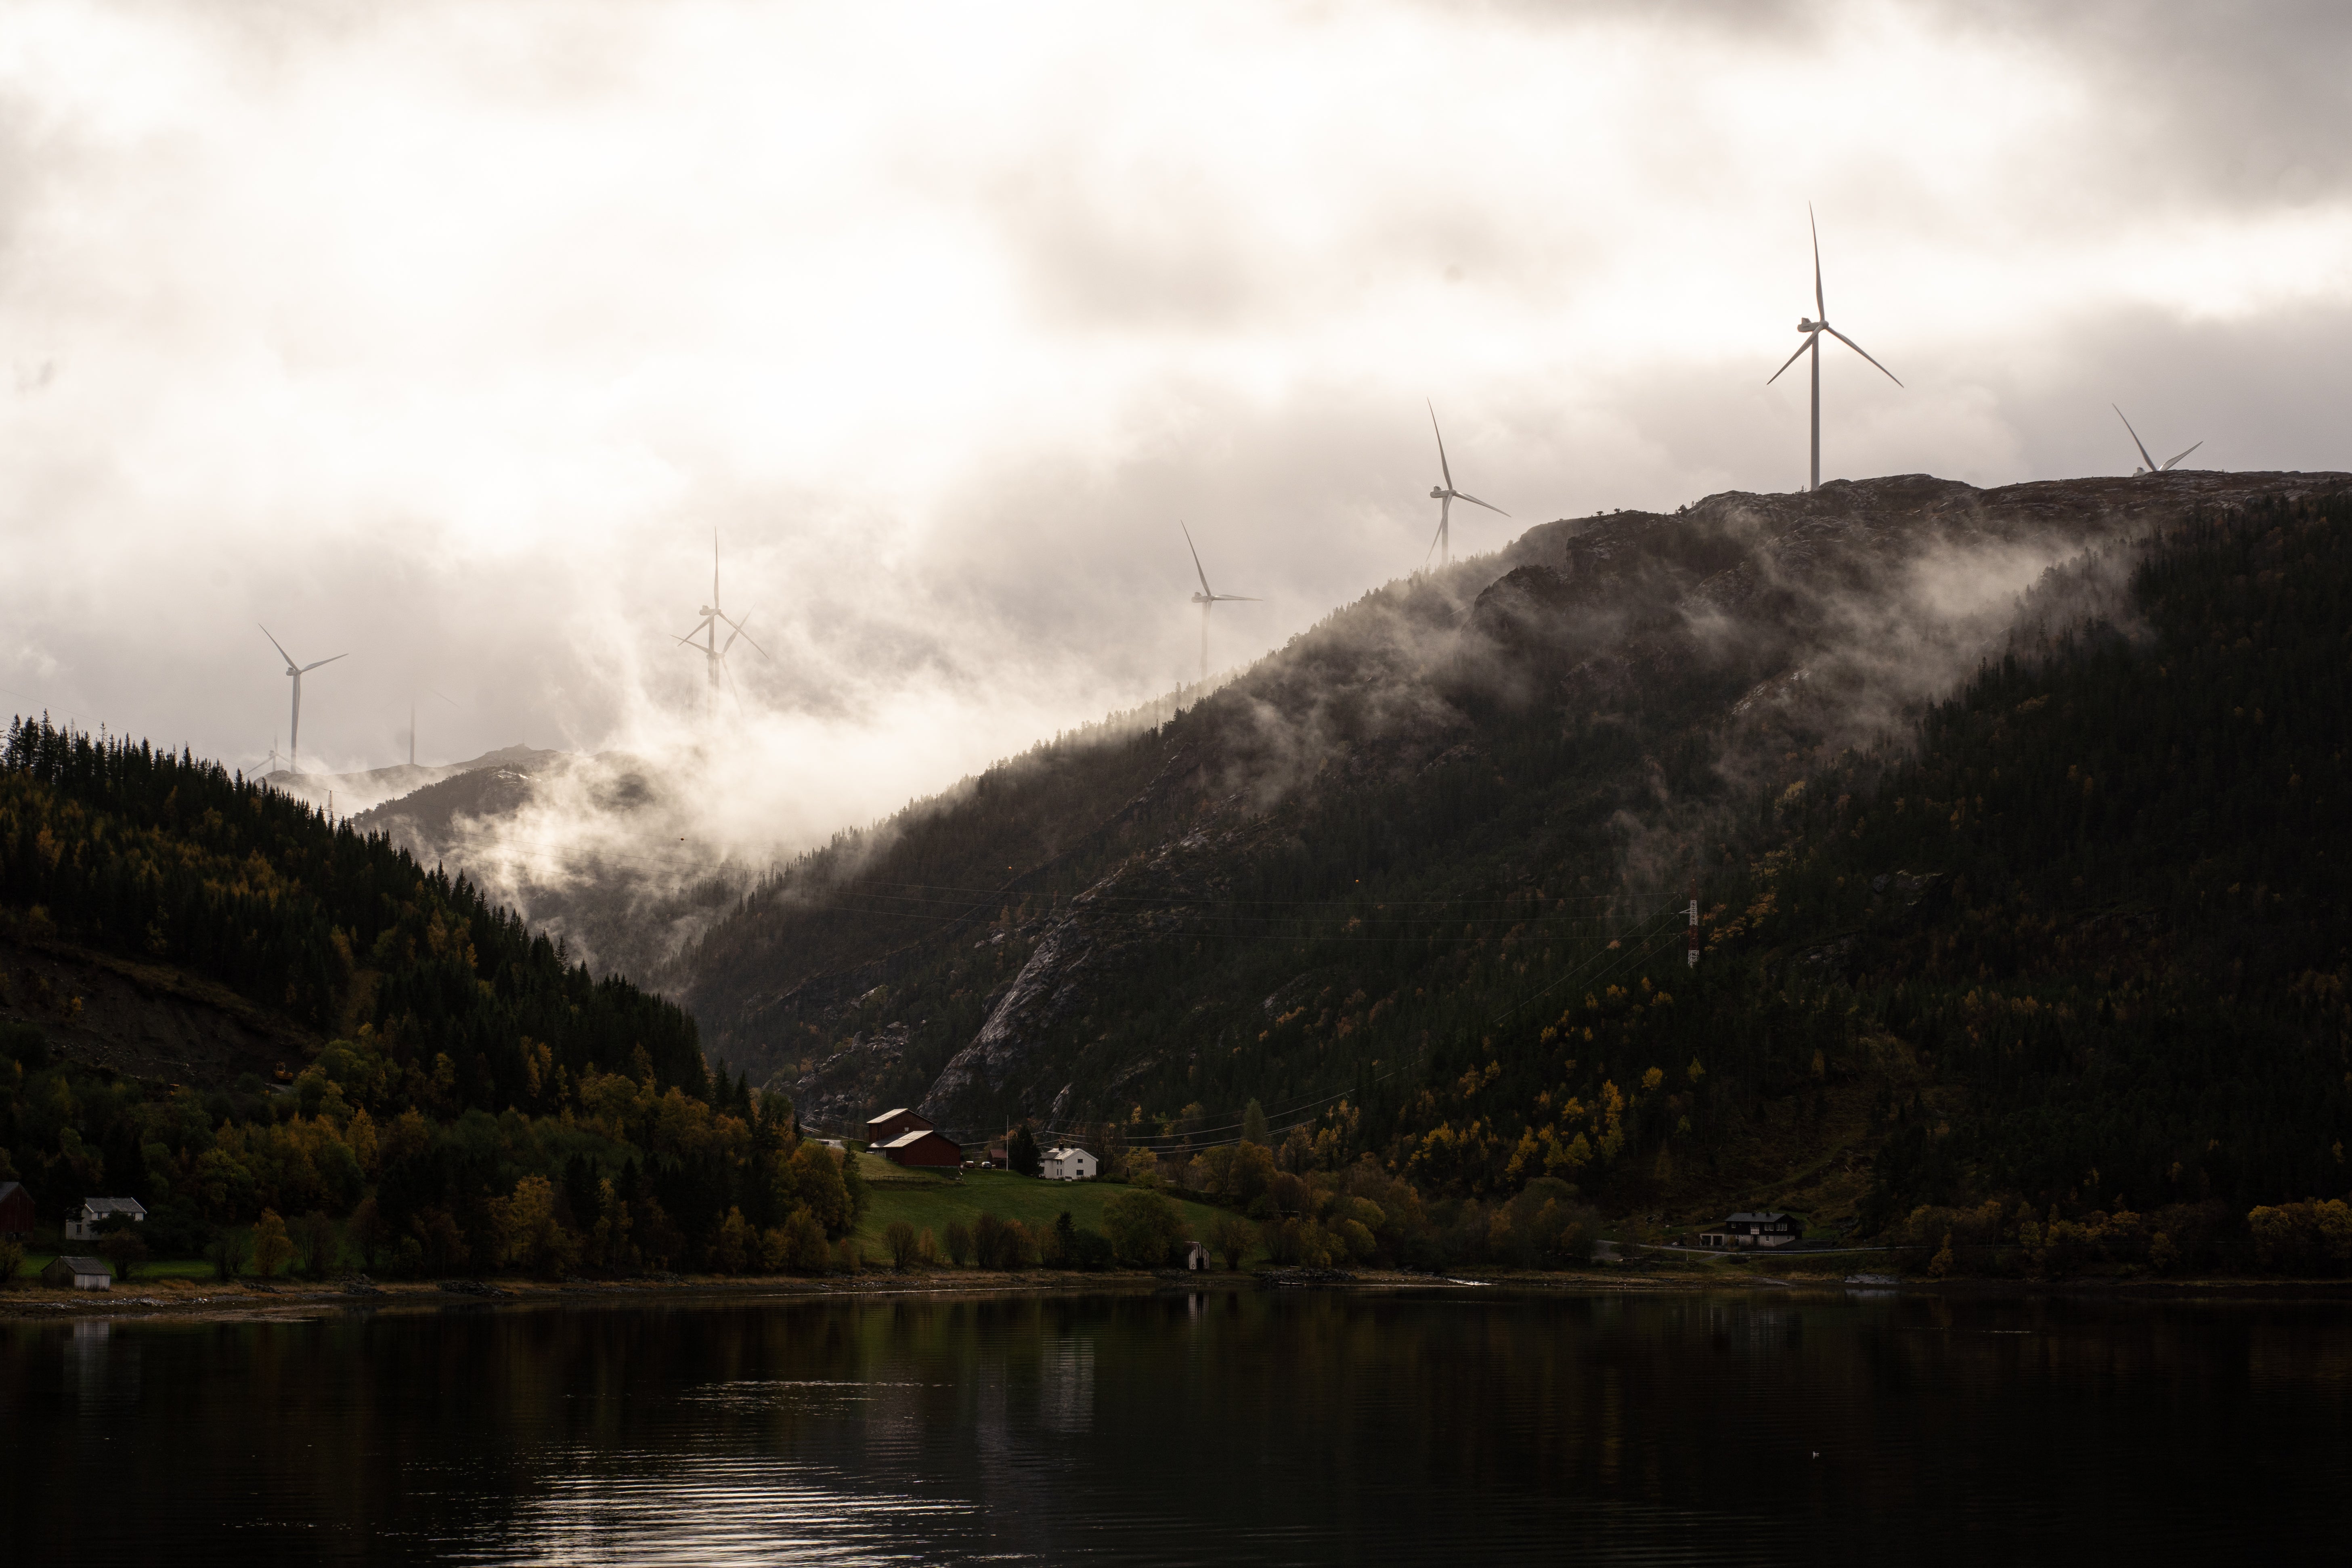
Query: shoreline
x,y
185,1300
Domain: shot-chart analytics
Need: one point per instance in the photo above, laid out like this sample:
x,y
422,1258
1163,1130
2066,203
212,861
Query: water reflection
x,y
1066,1386
1203,1425
101,1369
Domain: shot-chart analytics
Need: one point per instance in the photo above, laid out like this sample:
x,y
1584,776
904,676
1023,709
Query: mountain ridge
x,y
1701,653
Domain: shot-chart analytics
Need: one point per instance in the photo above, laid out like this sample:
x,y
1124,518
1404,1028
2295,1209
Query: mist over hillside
x,y
1425,820
2015,818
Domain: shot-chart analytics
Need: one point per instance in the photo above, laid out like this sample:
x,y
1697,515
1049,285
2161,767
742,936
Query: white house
x,y
82,1225
1069,1165
1764,1228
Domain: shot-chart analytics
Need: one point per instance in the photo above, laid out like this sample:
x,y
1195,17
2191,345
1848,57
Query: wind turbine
x,y
1445,495
2153,465
412,721
294,734
1207,598
1813,330
713,651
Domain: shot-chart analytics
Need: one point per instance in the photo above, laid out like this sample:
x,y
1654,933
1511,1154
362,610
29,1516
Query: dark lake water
x,y
1228,1426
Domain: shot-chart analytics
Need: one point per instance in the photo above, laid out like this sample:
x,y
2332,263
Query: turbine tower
x,y
2153,465
1813,330
412,721
1445,495
1207,598
713,651
294,733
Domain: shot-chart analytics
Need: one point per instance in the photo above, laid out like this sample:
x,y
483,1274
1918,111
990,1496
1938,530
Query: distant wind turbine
x,y
1813,330
713,651
294,733
1207,598
2153,465
412,721
1445,495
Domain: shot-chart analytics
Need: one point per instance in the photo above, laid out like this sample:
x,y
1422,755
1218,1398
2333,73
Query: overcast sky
x,y
444,334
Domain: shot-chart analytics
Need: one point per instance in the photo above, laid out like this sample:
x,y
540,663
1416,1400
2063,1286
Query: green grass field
x,y
933,1204
154,1269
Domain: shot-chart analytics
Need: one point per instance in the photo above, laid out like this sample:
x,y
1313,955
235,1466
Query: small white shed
x,y
67,1273
1069,1165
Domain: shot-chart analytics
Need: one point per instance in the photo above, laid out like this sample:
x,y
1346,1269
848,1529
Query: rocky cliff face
x,y
1575,711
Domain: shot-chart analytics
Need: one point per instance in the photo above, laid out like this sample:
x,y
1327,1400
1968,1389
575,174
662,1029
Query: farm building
x,y
82,1225
1067,1165
1766,1228
16,1210
78,1274
1195,1255
923,1146
893,1124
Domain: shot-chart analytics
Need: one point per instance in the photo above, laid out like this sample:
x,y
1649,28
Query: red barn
x,y
892,1124
923,1146
16,1210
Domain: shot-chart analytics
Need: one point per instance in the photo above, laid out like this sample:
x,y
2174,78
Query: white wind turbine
x,y
1445,495
1813,330
1207,598
294,733
2153,465
713,651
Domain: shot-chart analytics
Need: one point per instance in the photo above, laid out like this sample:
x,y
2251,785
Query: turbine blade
x,y
1433,543
1809,339
1196,560
275,644
1238,599
2170,462
1443,467
714,568
1474,501
1863,351
740,632
1821,309
308,667
2135,441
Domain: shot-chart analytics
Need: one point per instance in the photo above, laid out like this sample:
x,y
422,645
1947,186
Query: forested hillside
x,y
1416,883
458,1095
2017,819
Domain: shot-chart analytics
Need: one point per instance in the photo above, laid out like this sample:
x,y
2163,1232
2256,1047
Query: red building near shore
x,y
893,1124
924,1146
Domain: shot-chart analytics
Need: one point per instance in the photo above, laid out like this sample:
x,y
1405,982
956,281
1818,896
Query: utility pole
x,y
1694,917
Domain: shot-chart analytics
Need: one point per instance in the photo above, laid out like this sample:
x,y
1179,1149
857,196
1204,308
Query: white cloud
x,y
446,332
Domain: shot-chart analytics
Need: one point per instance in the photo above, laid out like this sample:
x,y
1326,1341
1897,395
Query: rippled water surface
x,y
1226,1426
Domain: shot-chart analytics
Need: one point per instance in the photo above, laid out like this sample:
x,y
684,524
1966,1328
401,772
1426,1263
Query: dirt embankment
x,y
148,1021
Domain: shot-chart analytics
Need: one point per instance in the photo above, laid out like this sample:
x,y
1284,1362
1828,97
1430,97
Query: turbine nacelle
x,y
1207,598
714,652
1813,329
1441,543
